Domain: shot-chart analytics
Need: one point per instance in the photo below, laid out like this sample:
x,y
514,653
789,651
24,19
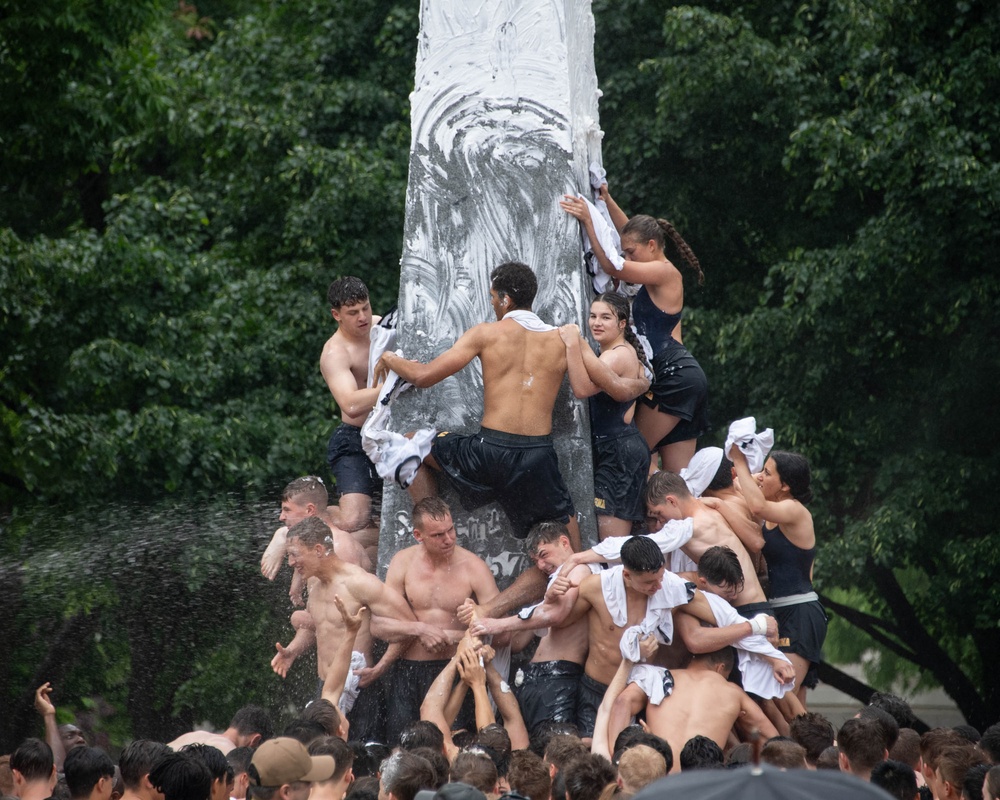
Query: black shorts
x,y
521,473
680,389
408,685
621,465
589,698
367,718
353,472
802,630
751,610
549,692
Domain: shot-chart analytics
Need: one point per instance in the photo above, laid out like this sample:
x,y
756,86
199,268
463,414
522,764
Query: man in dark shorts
x,y
511,459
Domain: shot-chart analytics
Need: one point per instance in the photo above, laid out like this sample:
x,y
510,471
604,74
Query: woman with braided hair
x,y
674,412
621,457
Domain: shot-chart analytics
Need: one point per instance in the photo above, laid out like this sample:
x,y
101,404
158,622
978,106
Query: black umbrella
x,y
761,782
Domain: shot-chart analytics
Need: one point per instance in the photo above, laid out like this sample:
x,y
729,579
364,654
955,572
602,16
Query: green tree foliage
x,y
836,164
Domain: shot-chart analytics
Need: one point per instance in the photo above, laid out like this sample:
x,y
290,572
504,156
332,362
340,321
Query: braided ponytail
x,y
683,248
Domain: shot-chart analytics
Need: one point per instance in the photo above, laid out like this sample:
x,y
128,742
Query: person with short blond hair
x,y
638,767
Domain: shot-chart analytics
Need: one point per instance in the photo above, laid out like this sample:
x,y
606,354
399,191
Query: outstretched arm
x,y
795,519
601,744
618,216
473,675
45,707
432,709
305,637
468,346
508,707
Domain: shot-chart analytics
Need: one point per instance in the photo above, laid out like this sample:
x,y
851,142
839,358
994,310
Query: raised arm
x,y
795,519
46,708
508,707
618,216
473,675
752,718
601,744
432,709
468,346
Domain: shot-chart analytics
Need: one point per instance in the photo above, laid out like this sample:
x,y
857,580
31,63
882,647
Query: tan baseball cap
x,y
286,760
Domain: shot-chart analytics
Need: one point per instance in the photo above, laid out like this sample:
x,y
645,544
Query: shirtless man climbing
x,y
435,576
311,555
344,364
511,459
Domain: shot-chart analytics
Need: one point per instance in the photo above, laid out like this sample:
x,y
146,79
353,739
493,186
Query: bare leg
x,y
801,668
355,511
654,425
676,456
612,526
573,529
425,481
774,714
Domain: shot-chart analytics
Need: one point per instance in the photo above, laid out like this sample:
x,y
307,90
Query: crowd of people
x,y
685,638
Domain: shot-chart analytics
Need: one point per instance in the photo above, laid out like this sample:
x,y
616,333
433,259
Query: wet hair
x,y
934,742
896,706
239,759
793,470
992,783
515,280
586,777
432,507
405,774
84,767
364,788
305,730
662,483
562,749
312,531
310,489
33,759
634,735
421,733
700,752
972,786
545,532
138,758
723,477
643,227
253,719
719,565
784,753
438,762
814,732
528,775
725,656
213,758
343,755
495,738
325,713
619,305
641,554
895,778
862,740
346,291
476,769
181,776
907,748
544,731
885,720
829,759
366,761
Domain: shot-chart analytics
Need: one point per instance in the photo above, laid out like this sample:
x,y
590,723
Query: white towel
x,y
608,239
755,446
396,457
658,621
380,339
702,469
529,320
656,682
352,686
757,671
681,562
673,535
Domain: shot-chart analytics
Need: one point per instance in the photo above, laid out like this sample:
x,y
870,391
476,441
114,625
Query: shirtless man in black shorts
x,y
511,459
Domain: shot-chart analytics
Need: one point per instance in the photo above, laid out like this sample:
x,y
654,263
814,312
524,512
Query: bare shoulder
x,y
581,572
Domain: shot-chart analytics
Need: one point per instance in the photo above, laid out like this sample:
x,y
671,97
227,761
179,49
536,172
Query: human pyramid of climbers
x,y
685,639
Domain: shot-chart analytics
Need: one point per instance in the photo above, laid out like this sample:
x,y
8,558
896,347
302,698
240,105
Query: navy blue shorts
x,y
680,389
621,465
352,472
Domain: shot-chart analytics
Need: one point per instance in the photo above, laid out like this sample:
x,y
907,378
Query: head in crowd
x,y
700,752
326,714
562,749
364,788
814,732
974,783
886,721
304,730
312,531
896,706
722,661
33,764
71,736
587,777
907,748
422,733
991,785
665,488
829,759
458,791
343,758
896,778
792,470
528,775
740,755
239,759
954,764
989,743
546,542
539,740
635,735
403,775
475,768
439,763
720,572
969,732
932,744
181,776
723,477
430,508
638,767
89,773
496,740
346,291
303,497
515,286
282,769
643,564
252,725
136,761
218,767
642,228
366,759
619,306
783,753
862,745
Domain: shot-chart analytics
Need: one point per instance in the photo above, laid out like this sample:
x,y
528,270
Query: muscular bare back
x,y
710,530
522,373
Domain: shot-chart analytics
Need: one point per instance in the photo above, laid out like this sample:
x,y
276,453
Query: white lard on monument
x,y
504,122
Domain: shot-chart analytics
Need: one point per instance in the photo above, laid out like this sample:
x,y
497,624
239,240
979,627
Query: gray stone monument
x,y
504,122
